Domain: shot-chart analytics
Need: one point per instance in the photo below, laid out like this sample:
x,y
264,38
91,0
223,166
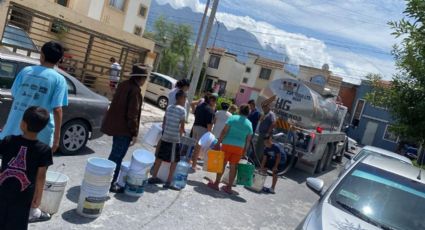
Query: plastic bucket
x,y
135,185
100,166
54,189
92,200
245,174
141,161
163,171
153,135
259,180
125,166
215,161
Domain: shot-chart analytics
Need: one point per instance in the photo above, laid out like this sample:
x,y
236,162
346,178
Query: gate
x,y
87,52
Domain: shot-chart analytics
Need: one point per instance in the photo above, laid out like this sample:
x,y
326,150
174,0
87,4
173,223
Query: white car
x,y
368,150
158,88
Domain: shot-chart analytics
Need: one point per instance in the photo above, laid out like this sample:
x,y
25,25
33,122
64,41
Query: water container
x,y
141,161
135,184
122,176
153,135
100,166
54,189
245,173
215,161
181,173
259,180
163,171
205,143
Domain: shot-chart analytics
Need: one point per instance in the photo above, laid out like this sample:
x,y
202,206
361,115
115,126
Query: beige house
x,y
321,80
92,31
223,73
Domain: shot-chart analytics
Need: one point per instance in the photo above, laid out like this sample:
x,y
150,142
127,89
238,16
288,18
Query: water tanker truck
x,y
312,120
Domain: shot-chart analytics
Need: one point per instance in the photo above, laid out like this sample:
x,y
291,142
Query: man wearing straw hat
x,y
123,118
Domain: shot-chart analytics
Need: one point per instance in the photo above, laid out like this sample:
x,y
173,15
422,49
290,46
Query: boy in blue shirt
x,y
271,160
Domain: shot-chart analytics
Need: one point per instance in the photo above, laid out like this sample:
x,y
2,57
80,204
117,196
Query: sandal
x,y
229,190
44,216
213,186
154,180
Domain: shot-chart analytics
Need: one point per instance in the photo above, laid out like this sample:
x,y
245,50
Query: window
x,y
265,73
138,30
245,80
168,84
20,18
7,74
214,61
389,135
118,4
248,69
71,86
242,90
358,112
143,10
157,80
62,2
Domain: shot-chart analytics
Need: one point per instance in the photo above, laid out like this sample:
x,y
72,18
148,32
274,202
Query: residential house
x,y
371,124
347,94
259,72
321,80
223,72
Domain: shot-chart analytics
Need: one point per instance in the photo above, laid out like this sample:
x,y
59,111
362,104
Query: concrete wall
x,y
132,17
248,94
95,8
113,16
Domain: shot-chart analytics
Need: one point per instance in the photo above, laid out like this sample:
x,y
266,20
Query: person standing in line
x,y
271,160
40,86
267,124
169,146
122,120
235,139
254,115
184,85
220,119
204,121
23,170
114,74
233,109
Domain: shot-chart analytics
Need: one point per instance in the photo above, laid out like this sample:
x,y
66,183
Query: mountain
x,y
220,36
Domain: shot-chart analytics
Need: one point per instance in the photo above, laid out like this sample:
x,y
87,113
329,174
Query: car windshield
x,y
379,197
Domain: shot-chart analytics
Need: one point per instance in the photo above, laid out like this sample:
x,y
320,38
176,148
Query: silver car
x,y
159,87
377,192
81,119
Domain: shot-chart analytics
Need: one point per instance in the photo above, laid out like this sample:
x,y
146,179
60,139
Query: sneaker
x,y
154,180
44,216
116,189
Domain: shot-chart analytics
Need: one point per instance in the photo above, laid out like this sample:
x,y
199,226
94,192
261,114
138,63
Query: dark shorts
x,y
14,212
166,153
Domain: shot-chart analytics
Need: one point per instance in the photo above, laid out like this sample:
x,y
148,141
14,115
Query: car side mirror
x,y
316,185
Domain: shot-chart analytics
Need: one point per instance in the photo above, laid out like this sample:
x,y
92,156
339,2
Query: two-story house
x,y
371,124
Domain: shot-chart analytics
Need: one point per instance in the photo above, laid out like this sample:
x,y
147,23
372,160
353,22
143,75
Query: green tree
x,y
405,98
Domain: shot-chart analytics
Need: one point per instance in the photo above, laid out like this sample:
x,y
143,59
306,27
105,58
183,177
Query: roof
x,y
387,153
171,79
394,166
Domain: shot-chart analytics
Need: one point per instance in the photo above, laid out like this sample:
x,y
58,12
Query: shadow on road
x,y
126,198
85,151
71,216
73,194
203,189
150,188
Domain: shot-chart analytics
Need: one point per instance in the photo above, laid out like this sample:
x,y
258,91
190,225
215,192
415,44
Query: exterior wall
x,y
347,94
83,6
371,114
248,94
132,17
331,82
113,16
95,9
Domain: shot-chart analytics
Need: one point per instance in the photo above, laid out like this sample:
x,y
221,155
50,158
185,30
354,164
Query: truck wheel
x,y
331,150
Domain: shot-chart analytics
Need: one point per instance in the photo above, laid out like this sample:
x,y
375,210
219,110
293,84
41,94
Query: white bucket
x,y
259,180
54,189
92,200
125,166
163,171
141,161
100,166
153,135
135,185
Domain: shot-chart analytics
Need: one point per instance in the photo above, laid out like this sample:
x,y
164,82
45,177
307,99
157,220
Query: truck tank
x,y
293,101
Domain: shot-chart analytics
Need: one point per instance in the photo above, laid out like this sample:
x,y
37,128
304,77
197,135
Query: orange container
x,y
215,161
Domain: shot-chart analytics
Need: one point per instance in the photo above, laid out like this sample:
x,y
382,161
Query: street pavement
x,y
195,207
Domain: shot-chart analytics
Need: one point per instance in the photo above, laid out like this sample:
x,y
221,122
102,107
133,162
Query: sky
x,y
351,36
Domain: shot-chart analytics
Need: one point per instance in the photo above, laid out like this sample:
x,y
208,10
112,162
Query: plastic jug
x,y
181,173
215,161
245,174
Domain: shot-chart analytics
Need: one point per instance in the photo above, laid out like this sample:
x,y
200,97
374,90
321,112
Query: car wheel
x,y
163,102
74,137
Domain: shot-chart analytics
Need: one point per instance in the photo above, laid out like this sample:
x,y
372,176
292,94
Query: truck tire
x,y
329,156
321,163
338,159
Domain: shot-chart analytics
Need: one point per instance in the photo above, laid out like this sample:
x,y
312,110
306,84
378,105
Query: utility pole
x,y
204,44
198,38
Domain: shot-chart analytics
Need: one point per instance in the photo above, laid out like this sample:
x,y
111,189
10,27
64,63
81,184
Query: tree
x,y
405,98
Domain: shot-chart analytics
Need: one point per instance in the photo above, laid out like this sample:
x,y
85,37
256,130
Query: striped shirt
x,y
174,115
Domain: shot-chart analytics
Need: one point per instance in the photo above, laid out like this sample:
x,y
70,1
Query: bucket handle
x,y
56,170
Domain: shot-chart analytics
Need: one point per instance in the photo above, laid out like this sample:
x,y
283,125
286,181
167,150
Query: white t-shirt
x,y
221,117
114,74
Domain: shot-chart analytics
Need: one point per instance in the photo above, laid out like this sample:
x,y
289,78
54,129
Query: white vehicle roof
x,y
172,80
387,153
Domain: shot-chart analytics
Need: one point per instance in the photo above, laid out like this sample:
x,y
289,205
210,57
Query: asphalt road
x,y
195,207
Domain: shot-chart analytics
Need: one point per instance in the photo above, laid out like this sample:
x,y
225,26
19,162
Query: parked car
x,y
377,192
158,88
411,152
367,150
81,119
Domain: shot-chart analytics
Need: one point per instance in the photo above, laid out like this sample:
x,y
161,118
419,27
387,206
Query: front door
x,y
369,133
